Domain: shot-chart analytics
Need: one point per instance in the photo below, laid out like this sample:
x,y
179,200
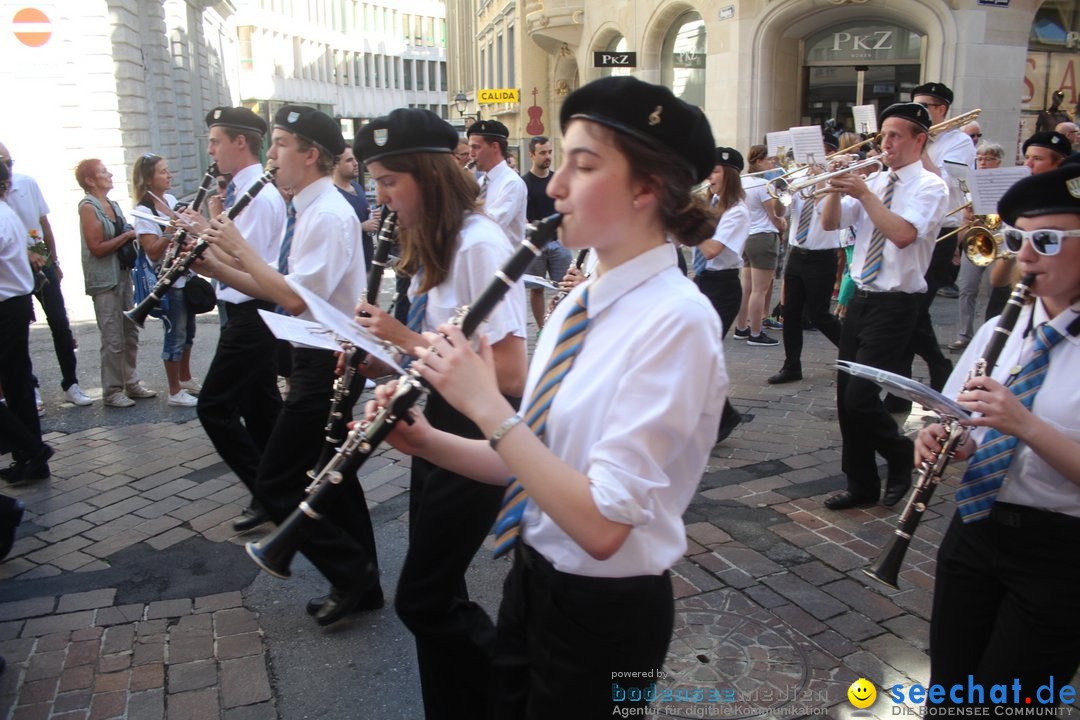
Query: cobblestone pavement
x,y
127,593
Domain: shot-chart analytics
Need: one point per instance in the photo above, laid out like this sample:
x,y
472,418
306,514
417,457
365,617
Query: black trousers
x,y
724,290
449,517
1004,599
876,324
52,302
924,342
341,545
809,276
239,402
15,377
568,644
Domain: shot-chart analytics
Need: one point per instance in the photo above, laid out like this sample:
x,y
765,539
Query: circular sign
x,y
32,27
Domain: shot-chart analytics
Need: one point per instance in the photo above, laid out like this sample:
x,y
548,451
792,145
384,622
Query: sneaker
x,y
958,346
119,400
762,340
183,399
772,323
76,396
139,391
193,386
948,291
742,334
39,403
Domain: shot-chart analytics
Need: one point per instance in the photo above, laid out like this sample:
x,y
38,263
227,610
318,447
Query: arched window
x,y
682,58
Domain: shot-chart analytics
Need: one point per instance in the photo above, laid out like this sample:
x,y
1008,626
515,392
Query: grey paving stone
x,y
119,614
117,639
855,627
168,608
31,607
235,646
147,705
220,601
805,595
192,675
244,681
234,621
86,600
193,705
56,623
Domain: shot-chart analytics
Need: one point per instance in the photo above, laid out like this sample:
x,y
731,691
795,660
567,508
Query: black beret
x,y
237,118
313,125
910,111
1048,193
938,90
649,113
404,131
1051,141
730,157
488,128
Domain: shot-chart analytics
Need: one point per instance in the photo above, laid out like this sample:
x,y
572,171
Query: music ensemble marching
x,y
583,460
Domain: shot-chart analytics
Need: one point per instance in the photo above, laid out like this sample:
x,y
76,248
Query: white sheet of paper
x,y
865,118
959,175
989,185
808,144
344,326
163,222
906,388
535,281
777,140
298,331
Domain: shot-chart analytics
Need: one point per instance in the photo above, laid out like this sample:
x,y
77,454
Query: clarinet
x,y
559,296
274,553
887,569
336,421
178,241
139,313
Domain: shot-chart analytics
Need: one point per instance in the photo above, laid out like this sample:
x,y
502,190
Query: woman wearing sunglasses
x,y
1004,581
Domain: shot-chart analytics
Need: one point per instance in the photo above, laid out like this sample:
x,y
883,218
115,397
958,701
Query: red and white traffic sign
x,y
32,27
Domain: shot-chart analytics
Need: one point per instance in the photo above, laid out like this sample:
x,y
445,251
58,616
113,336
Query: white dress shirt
x,y
954,146
640,435
817,238
25,198
506,200
16,278
920,197
732,231
757,194
149,227
1030,480
326,256
262,223
481,251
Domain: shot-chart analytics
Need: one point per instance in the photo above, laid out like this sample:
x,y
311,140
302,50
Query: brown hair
x,y
326,161
141,172
732,192
756,154
683,214
254,139
84,170
446,194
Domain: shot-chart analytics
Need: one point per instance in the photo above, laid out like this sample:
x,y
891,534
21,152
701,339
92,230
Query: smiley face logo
x,y
862,693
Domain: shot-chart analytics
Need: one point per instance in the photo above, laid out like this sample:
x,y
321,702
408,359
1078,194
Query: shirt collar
x,y
495,171
616,282
910,171
1060,323
245,178
303,199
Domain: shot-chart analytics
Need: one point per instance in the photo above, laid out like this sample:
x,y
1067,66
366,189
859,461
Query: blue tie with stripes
x,y
286,248
230,200
418,308
876,252
988,467
571,338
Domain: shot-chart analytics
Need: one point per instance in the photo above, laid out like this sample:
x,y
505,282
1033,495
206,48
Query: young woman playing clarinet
x,y
452,252
1005,591
612,441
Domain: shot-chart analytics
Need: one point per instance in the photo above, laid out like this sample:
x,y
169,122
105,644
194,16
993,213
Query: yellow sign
x,y
497,96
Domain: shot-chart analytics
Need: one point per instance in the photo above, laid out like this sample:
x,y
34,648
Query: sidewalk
x,y
128,595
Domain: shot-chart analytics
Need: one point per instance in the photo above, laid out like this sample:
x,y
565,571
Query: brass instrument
x,y
274,553
954,123
983,243
784,191
887,569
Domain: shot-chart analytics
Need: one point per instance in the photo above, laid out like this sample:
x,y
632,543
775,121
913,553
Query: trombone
x,y
784,190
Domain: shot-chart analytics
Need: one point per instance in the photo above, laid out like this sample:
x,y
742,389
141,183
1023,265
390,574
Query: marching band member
x,y
452,252
611,451
240,401
896,214
320,251
1001,592
761,251
504,195
809,276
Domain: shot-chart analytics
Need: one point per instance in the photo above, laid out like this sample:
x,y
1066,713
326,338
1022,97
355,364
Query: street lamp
x,y
461,102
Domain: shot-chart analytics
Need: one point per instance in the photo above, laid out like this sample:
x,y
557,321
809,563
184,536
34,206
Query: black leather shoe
x,y
35,468
728,422
895,493
372,600
340,603
786,375
846,500
250,519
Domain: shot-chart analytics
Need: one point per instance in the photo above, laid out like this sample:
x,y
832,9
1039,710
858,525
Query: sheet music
x,y
958,175
808,144
535,281
777,140
865,119
989,185
298,331
148,216
907,388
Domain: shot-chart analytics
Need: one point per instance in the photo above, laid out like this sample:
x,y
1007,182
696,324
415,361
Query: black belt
x,y
882,294
542,567
728,271
805,251
1024,516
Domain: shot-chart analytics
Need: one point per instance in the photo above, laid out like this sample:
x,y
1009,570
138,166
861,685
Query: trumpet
x,y
982,242
953,123
785,190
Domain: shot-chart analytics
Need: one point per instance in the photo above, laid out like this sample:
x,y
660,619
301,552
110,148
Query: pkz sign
x,y
608,58
862,42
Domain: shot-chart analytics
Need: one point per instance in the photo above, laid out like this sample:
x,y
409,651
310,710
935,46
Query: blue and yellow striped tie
x,y
876,252
228,202
571,338
988,467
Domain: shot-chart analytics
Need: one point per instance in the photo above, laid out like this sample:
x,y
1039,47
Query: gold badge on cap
x,y
1073,187
292,117
380,136
654,116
